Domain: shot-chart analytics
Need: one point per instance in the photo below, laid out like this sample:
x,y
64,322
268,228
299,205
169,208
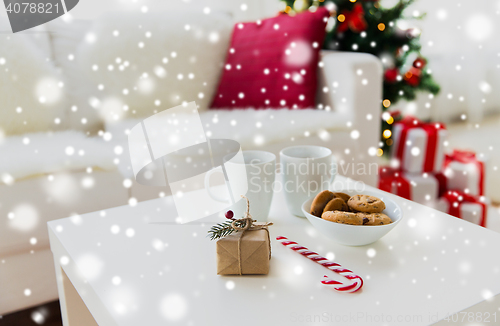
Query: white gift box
x,y
466,172
423,148
422,188
466,209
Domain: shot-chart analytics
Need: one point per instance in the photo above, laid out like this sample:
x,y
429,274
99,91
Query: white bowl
x,y
356,235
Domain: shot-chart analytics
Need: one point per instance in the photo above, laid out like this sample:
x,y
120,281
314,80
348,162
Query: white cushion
x,y
37,35
39,153
31,93
143,63
66,36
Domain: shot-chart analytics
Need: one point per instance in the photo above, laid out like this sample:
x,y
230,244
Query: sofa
x,y
72,89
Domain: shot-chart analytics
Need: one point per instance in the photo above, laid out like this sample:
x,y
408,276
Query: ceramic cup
x,y
306,171
260,176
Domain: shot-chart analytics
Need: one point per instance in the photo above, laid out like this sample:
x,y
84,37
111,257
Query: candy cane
x,y
339,286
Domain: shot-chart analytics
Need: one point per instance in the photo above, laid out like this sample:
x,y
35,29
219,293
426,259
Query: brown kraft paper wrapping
x,y
254,252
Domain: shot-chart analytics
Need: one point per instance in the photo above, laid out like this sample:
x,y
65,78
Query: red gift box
x,y
418,146
465,172
464,206
422,188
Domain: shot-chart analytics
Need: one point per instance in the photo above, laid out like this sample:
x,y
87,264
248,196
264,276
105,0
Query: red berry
x,y
391,75
229,214
412,76
419,63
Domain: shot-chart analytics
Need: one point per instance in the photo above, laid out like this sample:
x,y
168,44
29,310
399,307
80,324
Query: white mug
x,y
306,171
260,176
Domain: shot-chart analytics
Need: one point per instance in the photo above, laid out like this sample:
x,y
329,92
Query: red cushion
x,y
273,63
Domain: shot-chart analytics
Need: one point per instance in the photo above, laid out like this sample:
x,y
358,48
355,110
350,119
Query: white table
x,y
136,266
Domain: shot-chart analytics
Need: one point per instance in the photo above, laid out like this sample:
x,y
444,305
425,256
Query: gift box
x,y
466,172
443,183
422,188
244,252
419,147
467,207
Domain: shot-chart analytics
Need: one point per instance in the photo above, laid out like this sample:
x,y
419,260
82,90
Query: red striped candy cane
x,y
338,286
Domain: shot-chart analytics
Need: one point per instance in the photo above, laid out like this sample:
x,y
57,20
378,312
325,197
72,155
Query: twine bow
x,y
247,223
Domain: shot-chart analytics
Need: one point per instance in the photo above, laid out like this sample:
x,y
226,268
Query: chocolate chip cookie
x,y
343,217
320,201
341,195
375,219
336,204
366,204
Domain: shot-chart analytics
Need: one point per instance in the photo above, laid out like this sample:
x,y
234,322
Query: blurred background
x,y
458,38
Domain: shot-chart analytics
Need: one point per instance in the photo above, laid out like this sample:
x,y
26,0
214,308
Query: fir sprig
x,y
223,229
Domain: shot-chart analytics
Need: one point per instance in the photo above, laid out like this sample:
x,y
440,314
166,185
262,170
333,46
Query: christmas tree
x,y
365,26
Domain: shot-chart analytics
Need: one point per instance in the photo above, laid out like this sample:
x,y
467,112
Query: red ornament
x,y
353,20
419,63
396,115
391,75
412,77
229,215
